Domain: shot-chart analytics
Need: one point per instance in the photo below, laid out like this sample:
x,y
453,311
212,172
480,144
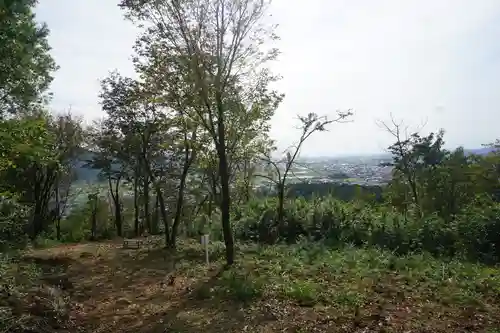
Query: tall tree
x,y
221,45
25,63
152,141
107,156
43,150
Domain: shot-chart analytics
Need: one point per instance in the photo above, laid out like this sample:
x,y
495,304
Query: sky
x,y
426,62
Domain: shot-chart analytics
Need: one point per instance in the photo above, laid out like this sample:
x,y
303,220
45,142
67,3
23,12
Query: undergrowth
x,y
350,278
26,304
308,283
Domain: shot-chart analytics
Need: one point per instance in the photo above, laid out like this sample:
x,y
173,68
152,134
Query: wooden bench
x,y
132,243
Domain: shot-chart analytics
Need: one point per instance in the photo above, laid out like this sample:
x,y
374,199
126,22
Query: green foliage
x,y
440,202
241,287
36,164
350,279
77,226
24,141
27,137
37,149
13,224
306,293
25,63
472,234
44,241
192,132
346,192
428,179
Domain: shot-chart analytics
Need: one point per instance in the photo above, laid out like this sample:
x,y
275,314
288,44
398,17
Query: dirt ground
x,y
112,289
128,290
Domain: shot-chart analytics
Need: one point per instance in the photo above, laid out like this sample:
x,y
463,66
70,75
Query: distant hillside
x,y
480,151
85,174
88,175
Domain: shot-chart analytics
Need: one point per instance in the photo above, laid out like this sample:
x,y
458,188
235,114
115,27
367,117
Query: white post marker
x,y
204,242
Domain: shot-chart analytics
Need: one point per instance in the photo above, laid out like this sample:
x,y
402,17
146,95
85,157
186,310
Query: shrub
x,y
473,234
304,292
14,218
241,287
77,226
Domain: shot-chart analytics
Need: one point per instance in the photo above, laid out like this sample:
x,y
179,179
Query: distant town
x,y
366,170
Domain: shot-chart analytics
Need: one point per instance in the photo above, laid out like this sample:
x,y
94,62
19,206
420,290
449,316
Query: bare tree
x,y
402,154
281,169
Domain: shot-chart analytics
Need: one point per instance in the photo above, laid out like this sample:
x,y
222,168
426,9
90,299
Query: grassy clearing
x,y
303,288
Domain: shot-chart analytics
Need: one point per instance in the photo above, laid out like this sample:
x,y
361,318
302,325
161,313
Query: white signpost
x,y
204,242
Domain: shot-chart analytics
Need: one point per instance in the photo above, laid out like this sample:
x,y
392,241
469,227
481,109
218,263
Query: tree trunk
x,y
210,205
147,213
41,197
38,219
164,216
281,207
156,216
93,223
136,206
115,195
179,205
57,209
147,177
246,180
93,216
118,217
225,203
199,207
225,212
58,229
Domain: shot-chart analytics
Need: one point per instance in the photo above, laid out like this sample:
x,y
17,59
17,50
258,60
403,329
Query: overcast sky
x,y
433,61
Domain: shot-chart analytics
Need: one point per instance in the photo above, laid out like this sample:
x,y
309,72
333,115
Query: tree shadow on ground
x,y
121,290
163,259
50,264
130,291
192,314
56,270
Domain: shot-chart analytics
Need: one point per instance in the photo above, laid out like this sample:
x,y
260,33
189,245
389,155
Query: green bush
x,y
45,241
473,234
241,287
304,293
77,225
14,222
